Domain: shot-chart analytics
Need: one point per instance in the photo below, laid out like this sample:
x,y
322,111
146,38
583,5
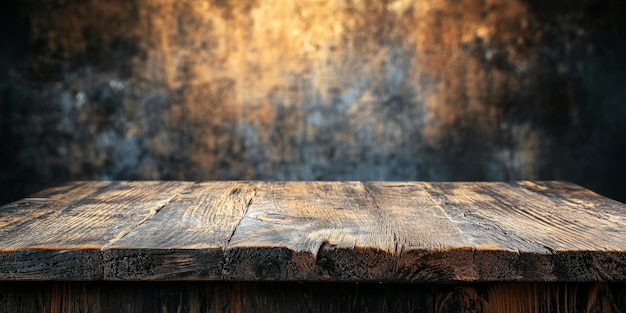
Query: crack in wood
x,y
397,246
294,231
246,207
438,205
151,214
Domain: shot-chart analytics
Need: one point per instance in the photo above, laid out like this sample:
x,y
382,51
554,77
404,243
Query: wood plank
x,y
342,231
185,240
429,247
347,231
70,191
66,244
563,193
19,214
584,231
34,212
499,251
557,225
553,241
297,230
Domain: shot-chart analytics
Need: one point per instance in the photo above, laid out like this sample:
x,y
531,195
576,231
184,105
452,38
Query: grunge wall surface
x,y
313,90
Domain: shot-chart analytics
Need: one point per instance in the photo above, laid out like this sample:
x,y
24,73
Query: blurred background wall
x,y
312,90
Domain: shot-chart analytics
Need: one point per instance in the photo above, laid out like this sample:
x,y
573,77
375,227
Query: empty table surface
x,y
314,231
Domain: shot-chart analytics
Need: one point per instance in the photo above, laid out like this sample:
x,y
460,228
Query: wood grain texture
x,y
197,297
67,243
346,231
185,240
36,208
521,234
529,297
428,246
563,193
289,226
497,250
317,231
24,219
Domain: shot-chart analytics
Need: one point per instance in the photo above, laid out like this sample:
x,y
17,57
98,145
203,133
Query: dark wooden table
x,y
249,246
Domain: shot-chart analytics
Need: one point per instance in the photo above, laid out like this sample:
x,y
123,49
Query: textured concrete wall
x,y
307,90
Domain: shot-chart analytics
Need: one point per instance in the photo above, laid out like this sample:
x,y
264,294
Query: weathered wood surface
x,y
317,231
62,236
196,297
186,239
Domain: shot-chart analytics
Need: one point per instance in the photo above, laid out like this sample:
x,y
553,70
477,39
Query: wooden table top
x,y
314,231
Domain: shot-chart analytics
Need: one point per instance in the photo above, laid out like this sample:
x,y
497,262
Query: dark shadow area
x,y
580,91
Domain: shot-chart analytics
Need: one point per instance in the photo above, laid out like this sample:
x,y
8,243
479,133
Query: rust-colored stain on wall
x,y
277,89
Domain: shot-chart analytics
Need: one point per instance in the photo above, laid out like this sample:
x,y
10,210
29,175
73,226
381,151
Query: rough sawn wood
x,y
315,231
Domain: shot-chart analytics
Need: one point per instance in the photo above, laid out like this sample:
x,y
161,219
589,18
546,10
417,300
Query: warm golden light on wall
x,y
277,89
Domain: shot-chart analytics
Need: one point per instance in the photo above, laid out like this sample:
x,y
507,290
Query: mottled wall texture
x,y
313,90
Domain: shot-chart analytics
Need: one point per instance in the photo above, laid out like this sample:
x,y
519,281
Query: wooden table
x,y
247,246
